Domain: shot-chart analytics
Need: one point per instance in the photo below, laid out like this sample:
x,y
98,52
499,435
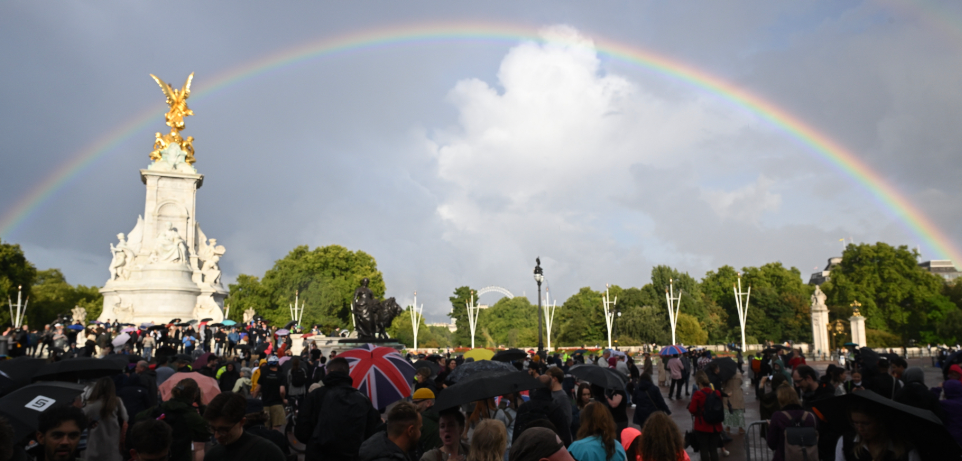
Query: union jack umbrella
x,y
673,350
380,373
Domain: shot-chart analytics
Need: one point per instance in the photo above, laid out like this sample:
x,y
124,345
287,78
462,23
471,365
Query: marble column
x,y
858,330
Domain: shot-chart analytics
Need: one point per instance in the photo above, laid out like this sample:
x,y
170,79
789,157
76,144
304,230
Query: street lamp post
x,y
674,305
416,316
742,306
473,311
549,310
539,277
609,306
16,313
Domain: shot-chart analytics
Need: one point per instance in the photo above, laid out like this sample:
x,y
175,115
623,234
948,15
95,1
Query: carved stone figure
x,y
123,256
124,313
363,307
208,308
79,315
249,314
170,247
209,254
384,315
818,297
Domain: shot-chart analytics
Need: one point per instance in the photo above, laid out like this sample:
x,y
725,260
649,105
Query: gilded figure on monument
x,y
177,101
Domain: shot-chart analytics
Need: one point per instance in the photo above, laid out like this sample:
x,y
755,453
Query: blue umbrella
x,y
673,350
229,322
76,327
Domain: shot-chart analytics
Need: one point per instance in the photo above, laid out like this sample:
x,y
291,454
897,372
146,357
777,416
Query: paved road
x,y
679,408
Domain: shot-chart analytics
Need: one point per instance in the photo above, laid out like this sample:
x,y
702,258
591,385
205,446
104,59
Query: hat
x,y
262,362
423,393
537,443
628,435
913,375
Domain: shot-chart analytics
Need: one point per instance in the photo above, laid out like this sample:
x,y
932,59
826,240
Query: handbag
x,y
692,441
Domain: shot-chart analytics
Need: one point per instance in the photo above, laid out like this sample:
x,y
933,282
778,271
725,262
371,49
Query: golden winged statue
x,y
177,101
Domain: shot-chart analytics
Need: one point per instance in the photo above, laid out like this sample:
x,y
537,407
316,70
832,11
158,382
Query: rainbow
x,y
828,150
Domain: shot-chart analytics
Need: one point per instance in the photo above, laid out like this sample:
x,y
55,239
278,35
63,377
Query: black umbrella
x,y
23,406
166,351
483,386
192,322
174,320
206,320
216,325
157,327
290,324
869,359
726,368
509,355
243,346
600,376
482,367
79,368
433,366
182,324
921,427
17,372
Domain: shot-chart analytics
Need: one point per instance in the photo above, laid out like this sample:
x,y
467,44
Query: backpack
x,y
756,366
340,437
801,442
298,378
713,412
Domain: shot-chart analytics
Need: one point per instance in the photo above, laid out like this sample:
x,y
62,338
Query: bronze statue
x,y
371,316
177,101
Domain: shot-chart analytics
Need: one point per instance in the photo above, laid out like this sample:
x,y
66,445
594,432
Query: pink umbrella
x,y
208,386
284,359
282,332
128,329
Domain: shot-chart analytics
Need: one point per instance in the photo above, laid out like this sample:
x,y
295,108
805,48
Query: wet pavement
x,y
736,448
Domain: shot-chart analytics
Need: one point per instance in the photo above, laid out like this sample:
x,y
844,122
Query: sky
x,y
457,160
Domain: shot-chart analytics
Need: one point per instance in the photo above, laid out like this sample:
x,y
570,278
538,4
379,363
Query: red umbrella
x,y
208,386
381,373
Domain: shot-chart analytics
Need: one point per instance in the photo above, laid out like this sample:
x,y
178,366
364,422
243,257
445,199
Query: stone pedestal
x,y
166,267
858,330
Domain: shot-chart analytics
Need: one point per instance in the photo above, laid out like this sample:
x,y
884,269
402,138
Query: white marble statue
x,y
208,308
124,313
123,258
209,253
170,247
79,315
249,314
818,297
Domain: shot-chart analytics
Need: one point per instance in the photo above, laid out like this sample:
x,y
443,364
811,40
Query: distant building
x,y
452,327
819,278
943,268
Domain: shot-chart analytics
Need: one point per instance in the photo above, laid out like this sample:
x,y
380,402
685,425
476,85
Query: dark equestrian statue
x,y
372,316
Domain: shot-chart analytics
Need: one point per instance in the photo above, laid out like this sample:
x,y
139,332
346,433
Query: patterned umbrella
x,y
672,350
381,373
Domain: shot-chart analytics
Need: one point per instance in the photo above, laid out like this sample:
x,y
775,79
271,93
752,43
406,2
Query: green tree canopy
x,y
325,278
15,271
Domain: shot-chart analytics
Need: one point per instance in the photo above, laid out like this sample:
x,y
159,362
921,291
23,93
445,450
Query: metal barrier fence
x,y
756,443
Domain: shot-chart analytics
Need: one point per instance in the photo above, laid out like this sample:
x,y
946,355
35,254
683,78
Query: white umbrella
x,y
120,340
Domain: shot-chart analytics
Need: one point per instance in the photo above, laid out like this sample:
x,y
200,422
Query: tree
x,y
690,331
581,319
15,271
897,296
428,337
645,324
511,322
325,277
53,297
459,312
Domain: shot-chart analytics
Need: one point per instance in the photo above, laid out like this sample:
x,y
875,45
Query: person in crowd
x,y
149,441
403,430
510,404
686,373
489,442
662,441
558,395
734,402
226,417
647,366
189,428
243,384
791,414
836,376
228,377
423,399
796,360
813,390
617,402
210,370
708,434
883,383
272,389
335,419
297,381
648,400
898,368
778,367
441,381
58,432
597,436
540,406
582,399
483,409
675,368
163,369
537,444
108,419
915,393
872,437
631,442
135,392
423,378
854,383
254,424
149,344
952,408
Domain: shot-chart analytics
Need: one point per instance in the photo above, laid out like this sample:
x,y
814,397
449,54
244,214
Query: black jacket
x,y
918,395
540,406
380,448
334,420
647,400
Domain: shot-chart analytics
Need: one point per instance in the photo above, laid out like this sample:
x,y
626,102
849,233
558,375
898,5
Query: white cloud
x,y
747,203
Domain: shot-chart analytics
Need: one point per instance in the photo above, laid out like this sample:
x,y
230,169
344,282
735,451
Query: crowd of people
x,y
255,400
